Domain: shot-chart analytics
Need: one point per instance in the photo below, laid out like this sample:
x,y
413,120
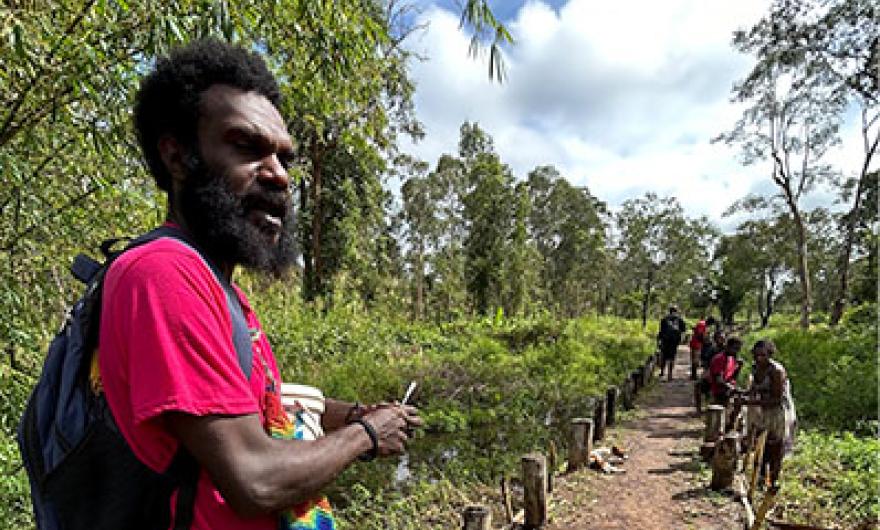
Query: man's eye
x,y
286,160
245,147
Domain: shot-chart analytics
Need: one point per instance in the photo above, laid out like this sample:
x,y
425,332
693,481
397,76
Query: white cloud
x,y
623,97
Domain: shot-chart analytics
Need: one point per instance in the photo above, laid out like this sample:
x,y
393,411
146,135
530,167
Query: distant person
x,y
709,350
668,338
698,337
771,391
723,369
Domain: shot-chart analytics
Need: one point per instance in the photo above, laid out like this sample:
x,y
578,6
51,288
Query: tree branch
x,y
11,244
4,137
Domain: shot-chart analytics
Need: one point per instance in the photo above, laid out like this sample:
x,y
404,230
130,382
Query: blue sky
x,y
622,97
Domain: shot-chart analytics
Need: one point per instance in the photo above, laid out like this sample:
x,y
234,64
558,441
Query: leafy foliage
x,y
831,480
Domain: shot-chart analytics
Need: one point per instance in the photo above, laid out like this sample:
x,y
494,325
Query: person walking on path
x,y
668,338
698,337
208,121
771,391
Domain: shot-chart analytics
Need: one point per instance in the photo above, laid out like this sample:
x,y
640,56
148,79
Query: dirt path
x,y
665,484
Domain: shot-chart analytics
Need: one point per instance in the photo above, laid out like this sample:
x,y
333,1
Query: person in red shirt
x,y
698,337
723,369
208,121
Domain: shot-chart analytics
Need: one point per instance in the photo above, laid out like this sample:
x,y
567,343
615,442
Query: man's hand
x,y
393,425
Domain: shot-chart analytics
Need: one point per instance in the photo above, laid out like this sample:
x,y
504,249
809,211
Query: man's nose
x,y
273,174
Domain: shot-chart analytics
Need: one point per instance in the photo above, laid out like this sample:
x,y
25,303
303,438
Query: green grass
x,y
831,481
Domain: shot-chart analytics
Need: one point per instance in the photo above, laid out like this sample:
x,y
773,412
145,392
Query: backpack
x,y
82,473
669,331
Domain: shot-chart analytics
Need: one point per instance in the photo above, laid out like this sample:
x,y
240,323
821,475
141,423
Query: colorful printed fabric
x,y
313,514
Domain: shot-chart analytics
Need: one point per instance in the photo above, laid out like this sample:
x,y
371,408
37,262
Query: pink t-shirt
x,y
699,335
166,345
724,365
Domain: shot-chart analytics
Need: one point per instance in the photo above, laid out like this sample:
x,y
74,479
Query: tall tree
x,y
421,223
829,53
569,234
792,119
660,249
489,208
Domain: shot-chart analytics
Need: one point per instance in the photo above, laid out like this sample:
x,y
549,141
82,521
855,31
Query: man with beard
x,y
208,121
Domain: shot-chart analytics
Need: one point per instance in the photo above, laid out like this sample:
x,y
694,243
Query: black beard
x,y
217,220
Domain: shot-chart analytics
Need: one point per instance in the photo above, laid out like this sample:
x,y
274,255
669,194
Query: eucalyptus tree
x,y
489,209
811,60
569,233
520,271
421,222
867,243
349,98
762,248
445,281
659,250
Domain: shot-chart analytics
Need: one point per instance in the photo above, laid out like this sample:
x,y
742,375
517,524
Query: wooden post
x,y
611,406
476,517
627,394
577,448
724,462
534,470
714,423
599,419
714,428
551,464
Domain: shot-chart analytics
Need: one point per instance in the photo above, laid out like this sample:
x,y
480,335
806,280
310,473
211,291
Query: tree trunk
x,y
762,310
304,237
419,306
312,281
846,251
852,218
771,279
803,270
646,300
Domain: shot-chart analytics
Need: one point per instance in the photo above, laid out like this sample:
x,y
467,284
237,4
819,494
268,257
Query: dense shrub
x,y
831,481
833,373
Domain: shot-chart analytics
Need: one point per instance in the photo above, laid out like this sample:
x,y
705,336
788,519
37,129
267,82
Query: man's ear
x,y
173,155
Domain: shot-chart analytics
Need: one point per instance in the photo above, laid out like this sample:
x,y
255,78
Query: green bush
x,y
833,374
831,481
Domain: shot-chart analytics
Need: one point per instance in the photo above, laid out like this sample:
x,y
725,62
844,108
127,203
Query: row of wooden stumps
x,y
537,472
723,451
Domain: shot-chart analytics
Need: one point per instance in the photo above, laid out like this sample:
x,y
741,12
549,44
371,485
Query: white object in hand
x,y
409,391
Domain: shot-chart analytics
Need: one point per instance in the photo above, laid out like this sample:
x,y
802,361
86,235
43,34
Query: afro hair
x,y
168,100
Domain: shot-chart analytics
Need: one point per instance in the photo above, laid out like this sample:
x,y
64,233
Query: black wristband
x,y
374,452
